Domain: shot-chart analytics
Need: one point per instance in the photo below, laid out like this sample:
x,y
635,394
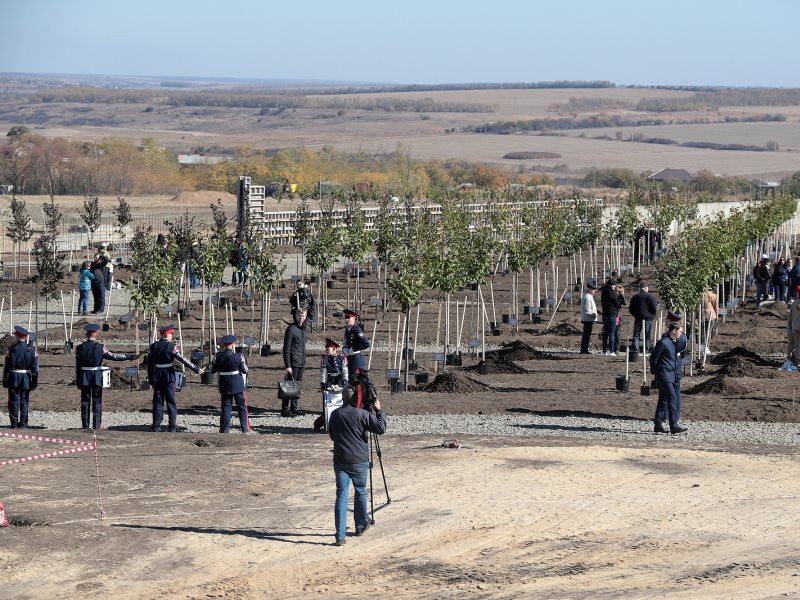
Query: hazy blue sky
x,y
694,42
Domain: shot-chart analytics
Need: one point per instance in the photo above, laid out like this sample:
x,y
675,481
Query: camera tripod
x,y
375,443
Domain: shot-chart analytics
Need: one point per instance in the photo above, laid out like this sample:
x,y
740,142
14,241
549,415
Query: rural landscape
x,y
464,225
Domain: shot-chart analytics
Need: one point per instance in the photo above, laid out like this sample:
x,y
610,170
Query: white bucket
x,y
106,371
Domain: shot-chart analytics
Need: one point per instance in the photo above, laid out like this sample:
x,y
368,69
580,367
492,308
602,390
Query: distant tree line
x,y
716,98
246,98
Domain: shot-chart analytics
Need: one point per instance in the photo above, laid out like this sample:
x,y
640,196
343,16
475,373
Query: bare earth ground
x,y
231,516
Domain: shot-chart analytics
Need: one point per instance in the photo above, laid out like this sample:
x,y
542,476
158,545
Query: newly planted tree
x,y
49,264
91,215
124,219
20,229
265,270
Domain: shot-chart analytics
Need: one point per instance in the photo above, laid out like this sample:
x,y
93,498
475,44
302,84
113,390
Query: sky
x,y
681,42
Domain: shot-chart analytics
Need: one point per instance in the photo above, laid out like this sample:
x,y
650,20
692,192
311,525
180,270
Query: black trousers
x,y
586,336
164,393
92,395
18,407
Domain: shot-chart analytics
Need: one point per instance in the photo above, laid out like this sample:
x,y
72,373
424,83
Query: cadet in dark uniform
x,y
232,370
89,358
20,376
161,375
354,342
332,372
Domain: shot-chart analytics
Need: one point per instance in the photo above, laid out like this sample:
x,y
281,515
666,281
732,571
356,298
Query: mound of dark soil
x,y
518,350
721,385
562,328
119,381
455,382
499,364
7,340
741,367
726,357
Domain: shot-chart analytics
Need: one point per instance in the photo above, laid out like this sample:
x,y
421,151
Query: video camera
x,y
368,392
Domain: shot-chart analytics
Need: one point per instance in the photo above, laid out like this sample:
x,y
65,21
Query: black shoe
x,y
585,352
364,530
678,429
286,413
297,413
339,542
659,428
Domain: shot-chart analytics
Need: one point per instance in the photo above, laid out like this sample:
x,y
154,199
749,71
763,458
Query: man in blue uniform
x,y
355,341
665,363
20,376
89,358
161,375
231,382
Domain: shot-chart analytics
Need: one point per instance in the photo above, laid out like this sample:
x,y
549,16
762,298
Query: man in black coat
x,y
294,356
20,376
98,268
665,363
89,358
643,307
161,376
232,370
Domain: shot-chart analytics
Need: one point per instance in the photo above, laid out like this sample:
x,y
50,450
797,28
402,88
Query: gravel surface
x,y
596,429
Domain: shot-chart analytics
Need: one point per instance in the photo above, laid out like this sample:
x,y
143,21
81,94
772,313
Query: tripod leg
x,y
371,494
383,473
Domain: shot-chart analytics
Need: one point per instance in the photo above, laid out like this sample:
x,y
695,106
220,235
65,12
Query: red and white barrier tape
x,y
39,438
13,461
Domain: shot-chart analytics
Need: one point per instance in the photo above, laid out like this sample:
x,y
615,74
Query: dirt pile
x,y
741,367
562,328
721,385
725,357
496,365
518,350
455,382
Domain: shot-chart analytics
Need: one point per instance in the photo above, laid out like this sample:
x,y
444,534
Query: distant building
x,y
6,189
198,159
671,175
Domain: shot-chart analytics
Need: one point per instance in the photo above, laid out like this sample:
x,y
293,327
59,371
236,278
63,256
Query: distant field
x,y
580,154
786,134
184,129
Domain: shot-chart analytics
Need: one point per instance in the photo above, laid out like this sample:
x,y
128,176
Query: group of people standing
x,y
778,283
95,277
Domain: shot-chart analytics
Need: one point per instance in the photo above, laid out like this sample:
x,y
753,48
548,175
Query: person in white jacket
x,y
588,314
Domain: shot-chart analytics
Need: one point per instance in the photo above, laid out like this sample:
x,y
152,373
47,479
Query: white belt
x,y
354,352
167,366
21,371
230,373
91,368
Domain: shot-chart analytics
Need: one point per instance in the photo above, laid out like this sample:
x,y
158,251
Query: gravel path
x,y
592,428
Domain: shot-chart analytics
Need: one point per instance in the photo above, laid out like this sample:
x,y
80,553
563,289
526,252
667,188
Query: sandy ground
x,y
251,517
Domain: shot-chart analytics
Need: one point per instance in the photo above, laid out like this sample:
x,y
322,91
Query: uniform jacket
x,y
294,346
643,306
333,371
163,352
89,358
355,340
21,368
232,369
665,360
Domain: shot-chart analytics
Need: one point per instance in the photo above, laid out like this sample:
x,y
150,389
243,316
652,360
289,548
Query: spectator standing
x,y
98,284
793,329
294,356
622,302
643,307
85,279
349,427
609,305
710,315
761,276
20,376
355,341
588,315
780,280
302,295
108,266
794,277
665,363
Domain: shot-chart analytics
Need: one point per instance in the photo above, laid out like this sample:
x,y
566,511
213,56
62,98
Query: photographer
x,y
349,427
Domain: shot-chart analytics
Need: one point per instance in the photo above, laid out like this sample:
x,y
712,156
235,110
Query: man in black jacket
x,y
643,307
665,363
348,428
294,356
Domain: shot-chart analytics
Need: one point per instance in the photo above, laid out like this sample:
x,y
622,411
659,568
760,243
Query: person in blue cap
x,y
89,358
20,376
232,368
355,340
161,375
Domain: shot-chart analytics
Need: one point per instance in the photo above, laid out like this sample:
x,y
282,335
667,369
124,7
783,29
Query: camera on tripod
x,y
368,392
